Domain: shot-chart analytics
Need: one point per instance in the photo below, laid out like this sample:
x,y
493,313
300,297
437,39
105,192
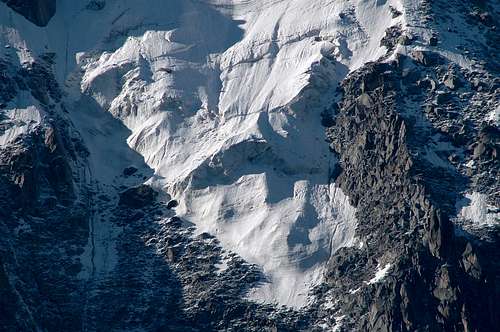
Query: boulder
x,y
433,41
426,58
138,197
131,170
394,12
451,82
172,204
405,40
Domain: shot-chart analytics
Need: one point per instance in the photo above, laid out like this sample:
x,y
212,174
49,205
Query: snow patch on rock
x,y
478,212
494,116
380,274
18,121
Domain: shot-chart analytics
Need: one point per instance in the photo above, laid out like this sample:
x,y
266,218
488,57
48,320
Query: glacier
x,y
223,99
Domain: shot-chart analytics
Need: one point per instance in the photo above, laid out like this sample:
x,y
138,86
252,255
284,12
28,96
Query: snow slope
x,y
477,212
223,100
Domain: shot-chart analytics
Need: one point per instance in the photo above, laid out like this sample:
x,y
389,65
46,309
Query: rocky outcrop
x,y
44,214
35,77
405,202
138,197
39,12
96,5
412,135
44,228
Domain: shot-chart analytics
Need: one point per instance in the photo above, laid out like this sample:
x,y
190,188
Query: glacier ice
x,y
222,98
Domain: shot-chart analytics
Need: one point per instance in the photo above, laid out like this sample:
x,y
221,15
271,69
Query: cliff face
x,y
44,211
39,12
410,136
442,276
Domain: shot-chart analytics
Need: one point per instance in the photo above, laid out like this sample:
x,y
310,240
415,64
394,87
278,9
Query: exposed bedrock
x,y
39,12
441,278
44,228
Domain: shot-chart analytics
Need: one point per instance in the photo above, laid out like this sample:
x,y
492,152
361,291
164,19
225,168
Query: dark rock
x,y
391,37
138,197
8,85
175,221
335,172
451,82
40,81
394,12
172,204
426,58
48,58
433,41
96,5
471,263
442,97
39,12
405,40
427,84
327,118
404,205
131,170
488,143
442,277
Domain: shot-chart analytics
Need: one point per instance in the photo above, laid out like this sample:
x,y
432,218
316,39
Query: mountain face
x,y
231,165
39,12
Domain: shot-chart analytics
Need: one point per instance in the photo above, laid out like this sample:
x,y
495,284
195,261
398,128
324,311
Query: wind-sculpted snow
x,y
229,119
223,99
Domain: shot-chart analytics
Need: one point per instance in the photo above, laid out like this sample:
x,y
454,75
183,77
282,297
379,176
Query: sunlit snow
x,y
223,100
380,274
477,211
